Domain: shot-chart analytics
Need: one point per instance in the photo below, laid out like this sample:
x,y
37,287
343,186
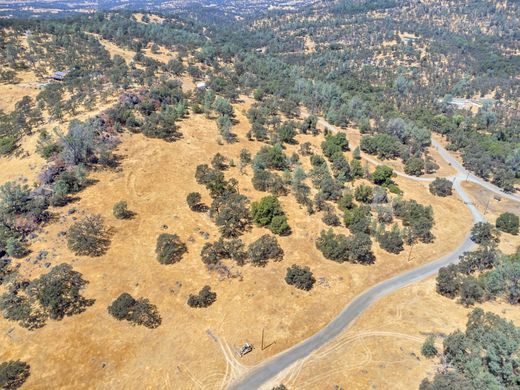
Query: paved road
x,y
269,369
464,174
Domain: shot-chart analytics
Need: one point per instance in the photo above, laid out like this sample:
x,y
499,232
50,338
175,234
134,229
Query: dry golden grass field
x,y
195,348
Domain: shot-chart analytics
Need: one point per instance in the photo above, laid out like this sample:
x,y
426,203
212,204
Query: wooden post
x,y
489,201
410,253
262,339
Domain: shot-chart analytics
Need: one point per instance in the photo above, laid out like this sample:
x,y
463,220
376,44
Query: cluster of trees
x,y
338,247
153,112
483,274
268,213
484,356
53,295
258,253
229,209
136,311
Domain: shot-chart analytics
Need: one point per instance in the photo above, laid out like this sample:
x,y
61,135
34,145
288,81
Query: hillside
x,y
176,186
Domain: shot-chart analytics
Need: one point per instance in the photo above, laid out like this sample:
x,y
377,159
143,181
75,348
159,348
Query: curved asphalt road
x,y
265,371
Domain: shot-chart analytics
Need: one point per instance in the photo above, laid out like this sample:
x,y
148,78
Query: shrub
x,y
364,193
382,175
508,222
13,374
300,277
204,298
441,187
7,145
428,349
194,201
88,237
331,219
264,249
169,248
121,211
334,144
138,312
16,248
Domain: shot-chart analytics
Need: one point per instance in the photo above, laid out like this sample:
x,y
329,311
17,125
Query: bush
x,y
428,349
331,219
382,175
334,144
13,374
205,298
7,145
300,277
268,213
441,187
364,193
508,222
264,249
88,237
334,247
138,312
16,248
169,248
194,201
121,211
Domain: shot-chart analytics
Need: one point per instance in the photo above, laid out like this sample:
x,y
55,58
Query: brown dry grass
x,y
382,350
92,350
12,93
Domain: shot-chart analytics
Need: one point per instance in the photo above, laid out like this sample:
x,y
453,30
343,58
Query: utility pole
x,y
410,253
262,348
487,205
